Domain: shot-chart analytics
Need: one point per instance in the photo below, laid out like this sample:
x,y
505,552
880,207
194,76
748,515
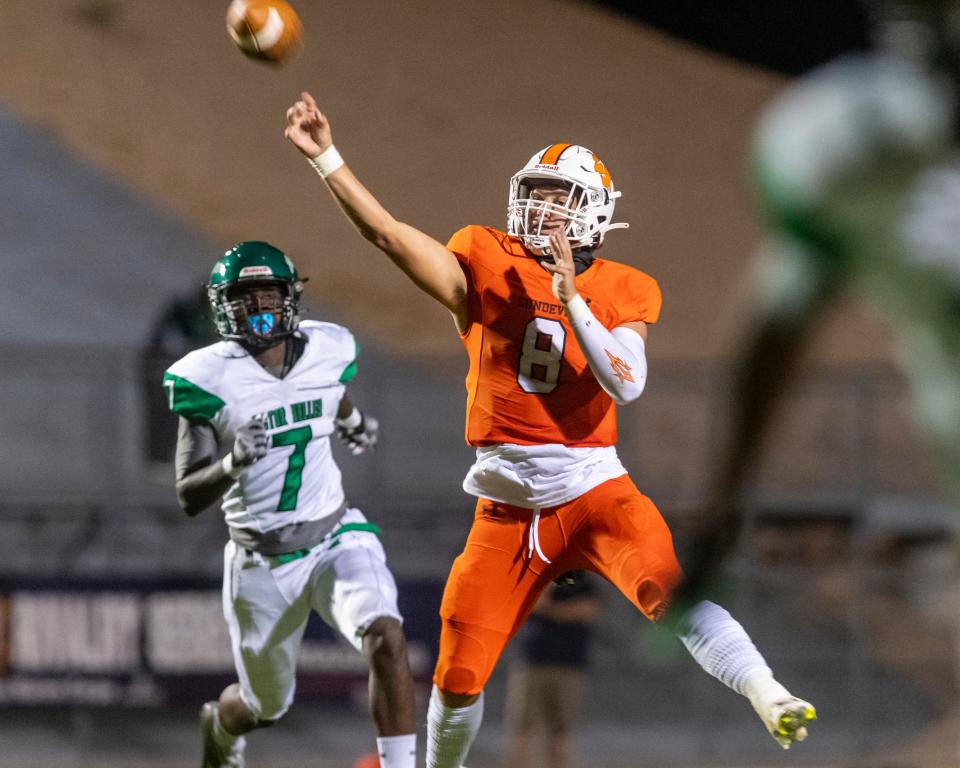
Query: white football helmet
x,y
588,208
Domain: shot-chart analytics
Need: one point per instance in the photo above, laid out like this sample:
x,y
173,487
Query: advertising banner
x,y
161,642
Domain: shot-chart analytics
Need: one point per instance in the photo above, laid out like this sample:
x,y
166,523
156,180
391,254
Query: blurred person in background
x,y
857,176
271,394
545,686
547,367
183,324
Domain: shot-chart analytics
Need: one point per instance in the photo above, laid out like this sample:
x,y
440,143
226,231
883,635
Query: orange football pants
x,y
612,530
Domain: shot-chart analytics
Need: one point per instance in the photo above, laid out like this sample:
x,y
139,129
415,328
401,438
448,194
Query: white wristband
x,y
351,421
228,469
326,162
577,310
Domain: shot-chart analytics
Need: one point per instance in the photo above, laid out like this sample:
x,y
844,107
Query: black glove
x,y
249,443
361,437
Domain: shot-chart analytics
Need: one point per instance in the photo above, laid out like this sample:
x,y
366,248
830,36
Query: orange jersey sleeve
x,y
528,382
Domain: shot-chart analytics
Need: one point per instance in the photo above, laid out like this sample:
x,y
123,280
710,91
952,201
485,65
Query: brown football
x,y
266,30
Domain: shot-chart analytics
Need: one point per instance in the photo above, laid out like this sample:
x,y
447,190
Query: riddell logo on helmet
x,y
551,167
255,271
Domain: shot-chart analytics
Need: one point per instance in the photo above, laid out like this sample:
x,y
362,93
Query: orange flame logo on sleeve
x,y
620,369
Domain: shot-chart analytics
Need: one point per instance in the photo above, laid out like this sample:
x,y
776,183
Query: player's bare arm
x,y
618,357
426,261
202,480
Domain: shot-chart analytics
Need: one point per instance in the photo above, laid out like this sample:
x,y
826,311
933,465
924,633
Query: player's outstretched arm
x,y
617,358
425,260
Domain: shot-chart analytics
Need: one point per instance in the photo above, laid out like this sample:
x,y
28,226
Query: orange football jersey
x,y
528,381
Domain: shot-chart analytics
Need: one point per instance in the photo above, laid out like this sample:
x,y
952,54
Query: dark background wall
x,y
784,37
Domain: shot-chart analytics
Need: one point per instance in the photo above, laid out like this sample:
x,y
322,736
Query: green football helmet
x,y
239,313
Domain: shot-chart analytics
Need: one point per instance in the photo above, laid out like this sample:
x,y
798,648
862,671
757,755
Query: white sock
x,y
398,751
450,731
722,647
764,692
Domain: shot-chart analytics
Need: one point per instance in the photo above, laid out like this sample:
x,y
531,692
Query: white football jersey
x,y
222,385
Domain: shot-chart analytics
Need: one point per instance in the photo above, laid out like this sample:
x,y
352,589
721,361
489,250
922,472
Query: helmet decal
x,y
260,270
600,168
551,155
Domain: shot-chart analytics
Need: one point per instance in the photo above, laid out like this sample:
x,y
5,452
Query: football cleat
x,y
787,720
215,754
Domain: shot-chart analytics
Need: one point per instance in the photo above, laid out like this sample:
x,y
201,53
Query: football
x,y
266,30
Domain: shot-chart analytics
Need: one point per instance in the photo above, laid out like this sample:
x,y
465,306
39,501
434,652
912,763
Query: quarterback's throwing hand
x,y
250,443
307,127
362,437
562,267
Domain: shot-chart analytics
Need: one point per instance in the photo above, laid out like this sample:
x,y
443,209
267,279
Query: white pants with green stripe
x,y
267,602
